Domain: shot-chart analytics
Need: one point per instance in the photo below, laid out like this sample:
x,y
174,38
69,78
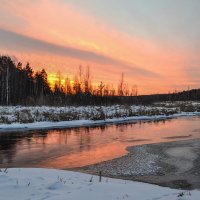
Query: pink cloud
x,y
67,26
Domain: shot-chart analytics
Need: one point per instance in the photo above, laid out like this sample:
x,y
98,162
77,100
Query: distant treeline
x,y
20,85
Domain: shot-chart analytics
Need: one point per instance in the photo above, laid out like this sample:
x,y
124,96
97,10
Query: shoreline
x,y
54,184
171,164
47,125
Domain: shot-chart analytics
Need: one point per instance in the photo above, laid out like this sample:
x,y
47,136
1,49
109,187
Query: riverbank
x,y
87,123
13,118
172,164
40,184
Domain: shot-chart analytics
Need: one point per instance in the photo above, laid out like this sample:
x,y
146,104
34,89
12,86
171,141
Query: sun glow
x,y
55,79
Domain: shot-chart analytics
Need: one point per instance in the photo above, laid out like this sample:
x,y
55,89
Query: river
x,y
76,147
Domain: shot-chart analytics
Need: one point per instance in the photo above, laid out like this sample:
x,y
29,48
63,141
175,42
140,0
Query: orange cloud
x,y
67,26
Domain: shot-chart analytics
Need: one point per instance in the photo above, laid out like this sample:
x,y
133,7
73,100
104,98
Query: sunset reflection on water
x,y
69,148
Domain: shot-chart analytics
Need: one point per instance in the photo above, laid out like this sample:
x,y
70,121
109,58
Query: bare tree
x,y
87,82
59,80
76,85
121,85
80,77
100,89
134,91
68,87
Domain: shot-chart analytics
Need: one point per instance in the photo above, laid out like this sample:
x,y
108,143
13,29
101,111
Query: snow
x,y
44,117
41,184
83,123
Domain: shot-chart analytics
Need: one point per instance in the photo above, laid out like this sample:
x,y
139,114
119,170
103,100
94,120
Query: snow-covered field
x,y
42,184
20,117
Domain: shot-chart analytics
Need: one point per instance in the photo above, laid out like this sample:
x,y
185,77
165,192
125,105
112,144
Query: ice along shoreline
x,y
47,125
173,164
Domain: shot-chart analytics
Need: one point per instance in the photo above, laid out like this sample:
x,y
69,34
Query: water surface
x,y
76,147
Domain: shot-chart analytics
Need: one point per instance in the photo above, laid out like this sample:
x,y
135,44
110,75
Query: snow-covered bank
x,y
19,117
40,184
85,123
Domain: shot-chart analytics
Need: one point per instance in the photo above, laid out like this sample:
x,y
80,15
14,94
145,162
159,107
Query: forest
x,y
20,85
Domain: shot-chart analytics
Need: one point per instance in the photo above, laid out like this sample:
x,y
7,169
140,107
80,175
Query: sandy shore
x,y
172,164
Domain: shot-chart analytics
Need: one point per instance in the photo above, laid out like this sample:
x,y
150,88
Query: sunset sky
x,y
156,43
